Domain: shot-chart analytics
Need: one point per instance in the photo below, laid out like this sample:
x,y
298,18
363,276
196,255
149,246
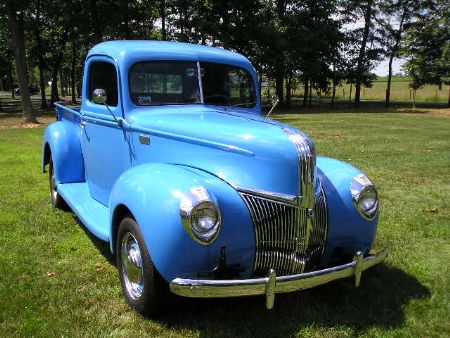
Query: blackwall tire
x,y
57,200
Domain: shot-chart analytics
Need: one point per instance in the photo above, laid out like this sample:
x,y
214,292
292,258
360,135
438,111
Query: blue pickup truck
x,y
170,161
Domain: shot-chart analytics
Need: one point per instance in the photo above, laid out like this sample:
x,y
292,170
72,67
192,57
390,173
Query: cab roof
x,y
140,50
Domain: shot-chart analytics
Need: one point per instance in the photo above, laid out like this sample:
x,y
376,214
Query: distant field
x,y
400,91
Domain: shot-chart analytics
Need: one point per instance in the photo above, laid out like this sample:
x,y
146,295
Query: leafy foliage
x,y
427,46
292,43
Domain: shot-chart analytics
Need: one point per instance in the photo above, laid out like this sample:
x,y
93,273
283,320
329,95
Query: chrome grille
x,y
282,239
318,236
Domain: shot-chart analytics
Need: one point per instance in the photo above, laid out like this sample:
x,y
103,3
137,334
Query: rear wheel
x,y
57,200
144,288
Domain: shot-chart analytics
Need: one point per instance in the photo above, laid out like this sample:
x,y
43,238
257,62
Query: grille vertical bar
x,y
307,165
280,230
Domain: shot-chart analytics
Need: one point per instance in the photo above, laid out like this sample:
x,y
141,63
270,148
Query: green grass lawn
x,y
57,280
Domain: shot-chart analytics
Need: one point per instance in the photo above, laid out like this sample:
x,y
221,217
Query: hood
x,y
246,150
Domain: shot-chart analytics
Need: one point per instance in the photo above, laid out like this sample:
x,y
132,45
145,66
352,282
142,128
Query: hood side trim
x,y
192,140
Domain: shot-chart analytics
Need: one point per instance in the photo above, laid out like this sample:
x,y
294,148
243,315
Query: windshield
x,y
177,82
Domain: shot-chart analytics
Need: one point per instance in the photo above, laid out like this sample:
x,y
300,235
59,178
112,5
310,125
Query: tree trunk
x,y
54,88
41,61
305,93
126,20
95,22
280,69
56,66
162,14
72,70
334,86
362,53
394,52
279,81
310,93
389,79
79,89
333,97
288,89
42,81
350,99
448,102
18,44
62,83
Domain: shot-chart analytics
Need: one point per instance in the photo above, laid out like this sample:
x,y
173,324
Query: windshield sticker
x,y
144,100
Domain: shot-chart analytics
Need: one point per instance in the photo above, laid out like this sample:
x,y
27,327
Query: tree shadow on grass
x,y
102,246
379,302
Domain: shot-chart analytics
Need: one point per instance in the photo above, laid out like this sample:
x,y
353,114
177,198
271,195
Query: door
x,y
105,144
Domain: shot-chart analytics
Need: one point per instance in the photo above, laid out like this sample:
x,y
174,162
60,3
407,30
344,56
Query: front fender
x,y
152,193
348,231
62,141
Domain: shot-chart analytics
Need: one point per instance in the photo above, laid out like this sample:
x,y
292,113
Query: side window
x,y
240,86
104,76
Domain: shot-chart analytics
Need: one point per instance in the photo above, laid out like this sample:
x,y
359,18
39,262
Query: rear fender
x,y
62,142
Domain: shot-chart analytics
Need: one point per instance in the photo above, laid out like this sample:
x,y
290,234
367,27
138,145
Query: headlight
x,y
365,196
200,215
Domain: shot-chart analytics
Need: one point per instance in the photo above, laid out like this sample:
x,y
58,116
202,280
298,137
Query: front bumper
x,y
272,284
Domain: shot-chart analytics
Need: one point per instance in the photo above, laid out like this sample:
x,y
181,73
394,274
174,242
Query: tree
x,y
313,34
359,69
39,50
368,51
162,11
6,58
397,15
427,47
15,17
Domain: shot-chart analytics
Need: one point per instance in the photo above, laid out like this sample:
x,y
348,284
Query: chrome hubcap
x,y
132,270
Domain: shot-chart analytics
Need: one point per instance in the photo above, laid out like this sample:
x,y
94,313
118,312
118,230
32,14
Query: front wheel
x,y
143,287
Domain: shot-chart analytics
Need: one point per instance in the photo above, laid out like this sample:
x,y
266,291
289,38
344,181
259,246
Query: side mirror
x,y
99,96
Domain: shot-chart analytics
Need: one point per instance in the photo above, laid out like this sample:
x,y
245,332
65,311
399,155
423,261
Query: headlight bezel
x,y
361,185
197,199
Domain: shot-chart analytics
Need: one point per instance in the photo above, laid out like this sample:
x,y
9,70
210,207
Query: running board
x,y
93,214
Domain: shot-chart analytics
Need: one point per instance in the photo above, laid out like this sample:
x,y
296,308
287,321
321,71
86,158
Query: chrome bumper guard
x,y
272,284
